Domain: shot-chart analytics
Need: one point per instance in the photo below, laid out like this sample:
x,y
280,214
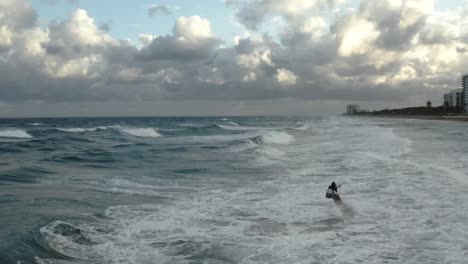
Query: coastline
x,y
458,118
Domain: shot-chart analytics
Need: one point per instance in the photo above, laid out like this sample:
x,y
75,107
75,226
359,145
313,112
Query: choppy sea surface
x,y
233,190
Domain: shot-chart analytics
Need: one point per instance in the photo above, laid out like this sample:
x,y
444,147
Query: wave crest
x,y
141,132
80,129
35,124
302,127
274,137
243,128
14,133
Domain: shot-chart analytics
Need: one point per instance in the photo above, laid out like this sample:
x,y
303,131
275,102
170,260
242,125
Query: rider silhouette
x,y
333,187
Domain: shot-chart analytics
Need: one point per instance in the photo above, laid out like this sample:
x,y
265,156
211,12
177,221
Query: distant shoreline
x,y
459,118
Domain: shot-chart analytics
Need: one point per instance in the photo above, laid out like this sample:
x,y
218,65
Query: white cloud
x,y
358,37
381,51
285,77
192,39
314,25
251,76
254,13
159,9
192,28
5,37
413,10
79,29
75,47
146,39
407,72
254,59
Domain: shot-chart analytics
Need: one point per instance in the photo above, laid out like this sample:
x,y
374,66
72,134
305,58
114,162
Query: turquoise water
x,y
232,190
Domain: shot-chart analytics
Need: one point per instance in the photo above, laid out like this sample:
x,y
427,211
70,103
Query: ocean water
x,y
233,190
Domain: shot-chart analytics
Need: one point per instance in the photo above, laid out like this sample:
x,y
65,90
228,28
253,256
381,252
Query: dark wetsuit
x,y
333,187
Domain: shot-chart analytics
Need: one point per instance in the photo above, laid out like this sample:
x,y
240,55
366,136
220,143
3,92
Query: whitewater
x,y
222,190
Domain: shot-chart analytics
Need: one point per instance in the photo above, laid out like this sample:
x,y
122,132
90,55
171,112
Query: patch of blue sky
x,y
128,19
450,5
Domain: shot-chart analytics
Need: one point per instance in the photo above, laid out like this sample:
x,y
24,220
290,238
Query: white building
x,y
454,98
465,92
352,109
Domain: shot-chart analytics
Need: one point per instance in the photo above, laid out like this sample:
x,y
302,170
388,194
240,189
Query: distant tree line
x,y
427,110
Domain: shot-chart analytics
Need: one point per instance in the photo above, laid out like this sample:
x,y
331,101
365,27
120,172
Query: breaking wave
x,y
243,128
391,144
192,125
274,137
243,146
80,129
219,138
35,124
302,127
141,132
14,133
136,132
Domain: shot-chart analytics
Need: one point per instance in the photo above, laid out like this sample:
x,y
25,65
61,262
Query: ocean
x,y
221,190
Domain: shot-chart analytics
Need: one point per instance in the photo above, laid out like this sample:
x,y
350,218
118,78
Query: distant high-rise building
x,y
454,98
464,80
352,109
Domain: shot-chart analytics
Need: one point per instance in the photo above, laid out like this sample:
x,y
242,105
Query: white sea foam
x,y
219,138
81,129
171,129
302,127
192,125
61,242
272,152
276,137
35,124
245,128
14,133
397,208
141,132
459,176
130,187
249,225
243,146
396,143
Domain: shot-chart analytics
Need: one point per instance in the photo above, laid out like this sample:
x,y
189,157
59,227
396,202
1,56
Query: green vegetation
x,y
419,111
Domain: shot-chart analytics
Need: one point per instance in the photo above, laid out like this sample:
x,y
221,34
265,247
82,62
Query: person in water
x,y
333,187
332,192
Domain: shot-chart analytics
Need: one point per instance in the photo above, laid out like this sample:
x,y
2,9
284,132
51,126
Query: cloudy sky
x,y
227,57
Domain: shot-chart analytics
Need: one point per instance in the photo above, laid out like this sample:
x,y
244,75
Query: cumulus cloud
x,y
253,13
286,77
192,39
17,15
146,39
381,51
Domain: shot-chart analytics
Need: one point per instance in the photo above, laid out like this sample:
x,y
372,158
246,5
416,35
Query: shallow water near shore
x,y
233,190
